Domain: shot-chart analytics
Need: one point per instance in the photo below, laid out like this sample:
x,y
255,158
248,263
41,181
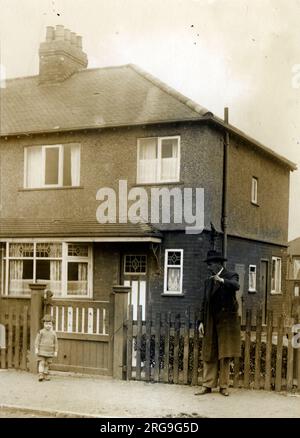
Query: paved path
x,y
77,395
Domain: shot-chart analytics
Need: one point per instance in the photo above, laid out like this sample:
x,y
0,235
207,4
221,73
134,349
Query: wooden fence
x,y
167,348
90,333
16,324
85,317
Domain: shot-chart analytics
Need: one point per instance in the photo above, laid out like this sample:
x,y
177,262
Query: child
x,y
46,347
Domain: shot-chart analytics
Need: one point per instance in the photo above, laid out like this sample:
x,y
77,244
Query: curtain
x,y
169,162
17,285
55,277
82,271
75,165
297,269
173,280
16,269
34,176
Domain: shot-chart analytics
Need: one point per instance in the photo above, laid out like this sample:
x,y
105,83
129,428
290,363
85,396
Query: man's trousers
x,y
215,369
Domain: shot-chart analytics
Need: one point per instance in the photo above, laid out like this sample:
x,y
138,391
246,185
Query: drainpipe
x,y
225,184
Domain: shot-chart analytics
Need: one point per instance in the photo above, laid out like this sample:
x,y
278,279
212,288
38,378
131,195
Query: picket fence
x,y
167,348
16,323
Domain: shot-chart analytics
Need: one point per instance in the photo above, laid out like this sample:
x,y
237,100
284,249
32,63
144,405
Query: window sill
x,y
68,298
170,294
275,292
255,204
49,188
252,291
19,297
165,183
72,298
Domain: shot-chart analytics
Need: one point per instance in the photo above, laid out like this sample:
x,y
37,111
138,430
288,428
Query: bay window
x,y
66,268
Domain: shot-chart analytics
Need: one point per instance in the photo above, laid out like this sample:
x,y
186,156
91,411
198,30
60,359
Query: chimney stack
x,y
61,55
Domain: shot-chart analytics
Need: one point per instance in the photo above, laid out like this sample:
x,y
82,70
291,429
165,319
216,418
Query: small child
x,y
46,347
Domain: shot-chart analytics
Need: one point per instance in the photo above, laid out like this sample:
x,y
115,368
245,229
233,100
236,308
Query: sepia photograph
x,y
149,212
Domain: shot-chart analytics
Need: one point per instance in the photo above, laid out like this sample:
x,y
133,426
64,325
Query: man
x,y
219,324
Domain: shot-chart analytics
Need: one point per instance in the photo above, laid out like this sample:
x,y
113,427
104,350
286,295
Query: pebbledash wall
x,y
108,156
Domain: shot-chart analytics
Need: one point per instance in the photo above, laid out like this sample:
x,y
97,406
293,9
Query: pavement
x,y
75,395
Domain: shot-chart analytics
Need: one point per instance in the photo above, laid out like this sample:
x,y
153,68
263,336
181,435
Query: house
x,y
71,131
293,276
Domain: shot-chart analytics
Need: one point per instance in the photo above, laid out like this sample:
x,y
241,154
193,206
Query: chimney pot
x,y
73,38
59,32
79,41
67,35
50,33
61,55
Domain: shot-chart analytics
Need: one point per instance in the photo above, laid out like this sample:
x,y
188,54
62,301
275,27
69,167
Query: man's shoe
x,y
204,391
41,377
224,392
46,377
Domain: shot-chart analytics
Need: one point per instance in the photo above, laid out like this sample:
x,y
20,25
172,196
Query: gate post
x,y
36,314
120,309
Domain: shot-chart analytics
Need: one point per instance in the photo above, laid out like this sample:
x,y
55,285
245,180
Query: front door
x,y
134,274
264,288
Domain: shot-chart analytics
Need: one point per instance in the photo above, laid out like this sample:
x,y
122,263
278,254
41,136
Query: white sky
x,y
236,53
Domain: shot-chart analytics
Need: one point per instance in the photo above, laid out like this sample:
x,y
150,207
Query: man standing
x,y
219,324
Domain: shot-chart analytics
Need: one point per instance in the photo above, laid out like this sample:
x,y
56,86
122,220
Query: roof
x,y
22,228
93,98
100,98
294,247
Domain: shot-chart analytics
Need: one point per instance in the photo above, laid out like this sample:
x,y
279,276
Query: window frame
x,y
166,266
279,290
294,259
60,166
64,268
159,180
254,190
133,273
250,289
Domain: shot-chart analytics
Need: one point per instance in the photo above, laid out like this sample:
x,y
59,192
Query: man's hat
x,y
214,256
47,318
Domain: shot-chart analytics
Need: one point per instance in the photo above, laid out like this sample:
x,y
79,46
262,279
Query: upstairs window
x,y
158,159
52,166
276,275
254,188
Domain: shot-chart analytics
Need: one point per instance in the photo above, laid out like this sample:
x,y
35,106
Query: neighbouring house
x,y
293,288
70,131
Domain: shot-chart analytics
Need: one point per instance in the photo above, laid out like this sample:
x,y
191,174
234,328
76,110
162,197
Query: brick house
x,y
70,131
